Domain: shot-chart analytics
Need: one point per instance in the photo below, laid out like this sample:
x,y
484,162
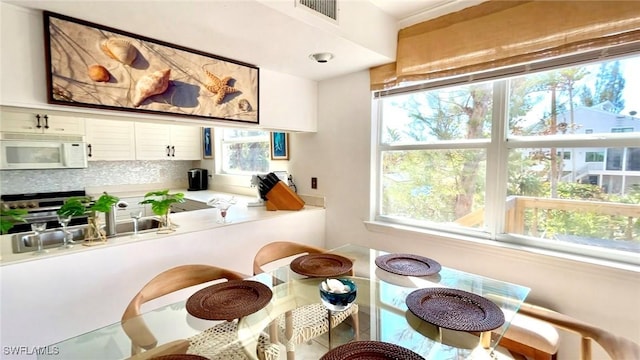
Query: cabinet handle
x,y
38,120
46,122
168,150
90,150
173,151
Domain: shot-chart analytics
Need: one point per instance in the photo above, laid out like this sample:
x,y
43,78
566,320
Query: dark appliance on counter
x,y
40,207
198,179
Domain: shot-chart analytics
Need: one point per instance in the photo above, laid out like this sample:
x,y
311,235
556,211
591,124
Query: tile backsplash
x,y
99,173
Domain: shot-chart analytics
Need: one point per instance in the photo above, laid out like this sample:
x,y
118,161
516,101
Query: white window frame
x,y
230,179
497,149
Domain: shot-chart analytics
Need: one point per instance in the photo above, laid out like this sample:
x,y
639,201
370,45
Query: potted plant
x,y
8,217
161,202
83,205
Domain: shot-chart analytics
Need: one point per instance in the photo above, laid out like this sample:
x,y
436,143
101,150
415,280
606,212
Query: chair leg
x,y
291,355
356,325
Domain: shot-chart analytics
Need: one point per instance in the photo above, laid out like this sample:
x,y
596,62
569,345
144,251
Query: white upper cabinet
x,y
110,140
39,122
186,142
167,142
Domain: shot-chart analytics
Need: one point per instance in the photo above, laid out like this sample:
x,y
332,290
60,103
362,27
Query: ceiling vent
x,y
328,8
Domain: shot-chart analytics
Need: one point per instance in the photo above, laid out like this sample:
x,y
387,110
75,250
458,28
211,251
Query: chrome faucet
x,y
110,218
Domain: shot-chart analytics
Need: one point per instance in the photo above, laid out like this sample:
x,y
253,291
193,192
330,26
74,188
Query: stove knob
x,y
13,206
22,205
32,205
5,207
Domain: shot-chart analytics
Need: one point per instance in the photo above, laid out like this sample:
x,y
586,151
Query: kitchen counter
x,y
187,222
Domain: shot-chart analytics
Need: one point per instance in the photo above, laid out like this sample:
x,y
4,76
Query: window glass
x,y
591,99
594,156
244,151
450,188
543,181
456,113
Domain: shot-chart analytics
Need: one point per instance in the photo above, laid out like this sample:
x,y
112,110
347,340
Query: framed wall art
x,y
207,143
279,146
90,65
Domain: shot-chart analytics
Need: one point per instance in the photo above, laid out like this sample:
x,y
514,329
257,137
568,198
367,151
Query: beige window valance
x,y
497,33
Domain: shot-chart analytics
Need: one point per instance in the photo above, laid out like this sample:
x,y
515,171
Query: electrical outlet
x,y
314,183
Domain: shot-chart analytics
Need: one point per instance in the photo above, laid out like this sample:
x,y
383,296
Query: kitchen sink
x,y
53,238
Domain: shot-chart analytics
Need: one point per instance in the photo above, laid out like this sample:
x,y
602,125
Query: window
x,y
594,156
511,159
243,151
622,130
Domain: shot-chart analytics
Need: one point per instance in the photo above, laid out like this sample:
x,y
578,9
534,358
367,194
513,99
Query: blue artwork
x,y
207,143
279,148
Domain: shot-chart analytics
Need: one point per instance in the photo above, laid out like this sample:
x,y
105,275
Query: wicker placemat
x,y
370,350
179,357
455,309
229,300
321,265
408,264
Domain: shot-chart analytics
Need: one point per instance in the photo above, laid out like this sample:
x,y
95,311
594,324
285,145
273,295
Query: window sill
x,y
497,247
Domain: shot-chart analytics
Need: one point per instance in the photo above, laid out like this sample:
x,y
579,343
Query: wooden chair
x,y
531,337
175,279
309,321
618,348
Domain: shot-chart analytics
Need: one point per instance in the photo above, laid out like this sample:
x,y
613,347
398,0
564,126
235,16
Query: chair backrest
x,y
617,347
280,250
174,279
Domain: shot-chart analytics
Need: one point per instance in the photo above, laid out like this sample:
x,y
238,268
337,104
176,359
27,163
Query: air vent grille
x,y
328,8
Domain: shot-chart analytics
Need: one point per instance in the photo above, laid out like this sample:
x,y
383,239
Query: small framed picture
x,y
207,141
279,146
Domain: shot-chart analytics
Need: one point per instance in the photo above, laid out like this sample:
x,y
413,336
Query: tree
x,y
608,87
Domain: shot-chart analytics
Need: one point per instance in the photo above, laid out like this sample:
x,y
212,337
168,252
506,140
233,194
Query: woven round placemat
x,y
321,265
179,357
408,264
455,309
229,300
370,350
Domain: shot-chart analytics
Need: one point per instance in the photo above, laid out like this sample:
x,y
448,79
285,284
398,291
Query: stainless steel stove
x,y
41,207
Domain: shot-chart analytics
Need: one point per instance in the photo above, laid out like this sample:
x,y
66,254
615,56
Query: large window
x,y
510,158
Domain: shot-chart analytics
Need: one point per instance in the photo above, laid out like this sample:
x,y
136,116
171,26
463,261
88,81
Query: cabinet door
x,y
57,124
153,141
41,123
186,142
110,140
22,122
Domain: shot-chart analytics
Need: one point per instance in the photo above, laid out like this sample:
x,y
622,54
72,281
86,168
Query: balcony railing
x,y
524,215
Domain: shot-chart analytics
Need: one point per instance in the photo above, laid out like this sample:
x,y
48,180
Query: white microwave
x,y
28,151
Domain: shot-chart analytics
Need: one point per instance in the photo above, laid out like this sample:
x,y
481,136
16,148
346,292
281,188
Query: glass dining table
x,y
383,315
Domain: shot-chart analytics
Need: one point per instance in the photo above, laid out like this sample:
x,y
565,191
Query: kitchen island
x,y
64,293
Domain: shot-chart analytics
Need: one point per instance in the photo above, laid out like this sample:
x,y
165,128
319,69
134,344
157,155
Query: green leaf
x,y
9,217
161,200
104,203
75,206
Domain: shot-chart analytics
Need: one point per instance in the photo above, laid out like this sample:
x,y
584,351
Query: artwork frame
x,y
95,66
279,145
207,143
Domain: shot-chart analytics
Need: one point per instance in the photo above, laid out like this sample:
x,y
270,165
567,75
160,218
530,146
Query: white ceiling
x,y
272,34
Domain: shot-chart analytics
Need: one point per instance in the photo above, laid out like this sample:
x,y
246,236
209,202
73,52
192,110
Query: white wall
x,y
604,296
